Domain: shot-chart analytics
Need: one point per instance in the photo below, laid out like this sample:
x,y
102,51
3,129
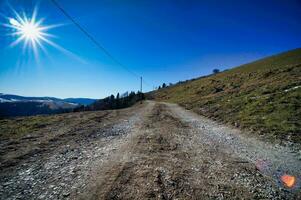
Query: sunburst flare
x,y
29,30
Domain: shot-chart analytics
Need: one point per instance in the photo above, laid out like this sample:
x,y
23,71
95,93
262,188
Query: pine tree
x,y
215,71
117,101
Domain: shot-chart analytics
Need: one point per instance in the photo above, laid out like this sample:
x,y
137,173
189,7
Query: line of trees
x,y
113,102
164,85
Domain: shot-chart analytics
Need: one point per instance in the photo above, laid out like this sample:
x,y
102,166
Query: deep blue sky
x,y
165,41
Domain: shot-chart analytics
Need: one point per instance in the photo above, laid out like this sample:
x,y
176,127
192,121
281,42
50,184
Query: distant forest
x,y
113,102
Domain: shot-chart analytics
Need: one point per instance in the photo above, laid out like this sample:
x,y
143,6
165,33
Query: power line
x,y
101,47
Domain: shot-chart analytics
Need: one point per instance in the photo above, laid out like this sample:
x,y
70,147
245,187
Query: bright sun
x,y
33,34
29,31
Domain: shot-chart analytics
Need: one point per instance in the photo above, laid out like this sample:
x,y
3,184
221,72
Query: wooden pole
x,y
141,89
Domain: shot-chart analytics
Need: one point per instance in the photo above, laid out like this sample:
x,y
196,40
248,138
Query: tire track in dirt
x,y
148,170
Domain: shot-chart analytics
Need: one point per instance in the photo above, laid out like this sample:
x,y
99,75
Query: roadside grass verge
x,y
263,97
18,127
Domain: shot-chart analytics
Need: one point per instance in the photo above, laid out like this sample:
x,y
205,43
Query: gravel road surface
x,y
149,151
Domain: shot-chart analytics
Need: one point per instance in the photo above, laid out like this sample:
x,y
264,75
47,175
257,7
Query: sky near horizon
x,y
161,40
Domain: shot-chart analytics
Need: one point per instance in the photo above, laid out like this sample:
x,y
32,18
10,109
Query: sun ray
x,y
34,15
17,41
62,49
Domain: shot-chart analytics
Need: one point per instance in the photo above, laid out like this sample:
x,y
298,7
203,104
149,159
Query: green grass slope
x,y
263,96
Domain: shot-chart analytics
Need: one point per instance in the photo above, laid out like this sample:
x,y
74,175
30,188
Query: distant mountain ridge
x,y
15,105
15,98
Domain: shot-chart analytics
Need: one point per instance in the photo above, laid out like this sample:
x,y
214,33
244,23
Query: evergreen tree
x,y
215,71
117,101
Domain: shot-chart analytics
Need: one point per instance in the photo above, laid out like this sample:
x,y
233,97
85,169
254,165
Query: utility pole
x,y
141,84
141,89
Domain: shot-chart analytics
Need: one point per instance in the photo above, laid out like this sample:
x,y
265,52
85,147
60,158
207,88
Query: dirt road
x,y
150,151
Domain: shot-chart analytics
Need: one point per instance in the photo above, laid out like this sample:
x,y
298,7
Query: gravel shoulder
x,y
277,158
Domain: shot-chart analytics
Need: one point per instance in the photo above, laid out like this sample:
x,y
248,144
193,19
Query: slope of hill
x,y
263,96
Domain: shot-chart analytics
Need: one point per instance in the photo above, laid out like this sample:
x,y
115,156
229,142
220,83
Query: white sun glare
x,y
33,34
29,31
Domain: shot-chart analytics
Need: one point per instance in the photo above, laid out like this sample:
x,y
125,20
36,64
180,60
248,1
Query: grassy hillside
x,y
263,96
